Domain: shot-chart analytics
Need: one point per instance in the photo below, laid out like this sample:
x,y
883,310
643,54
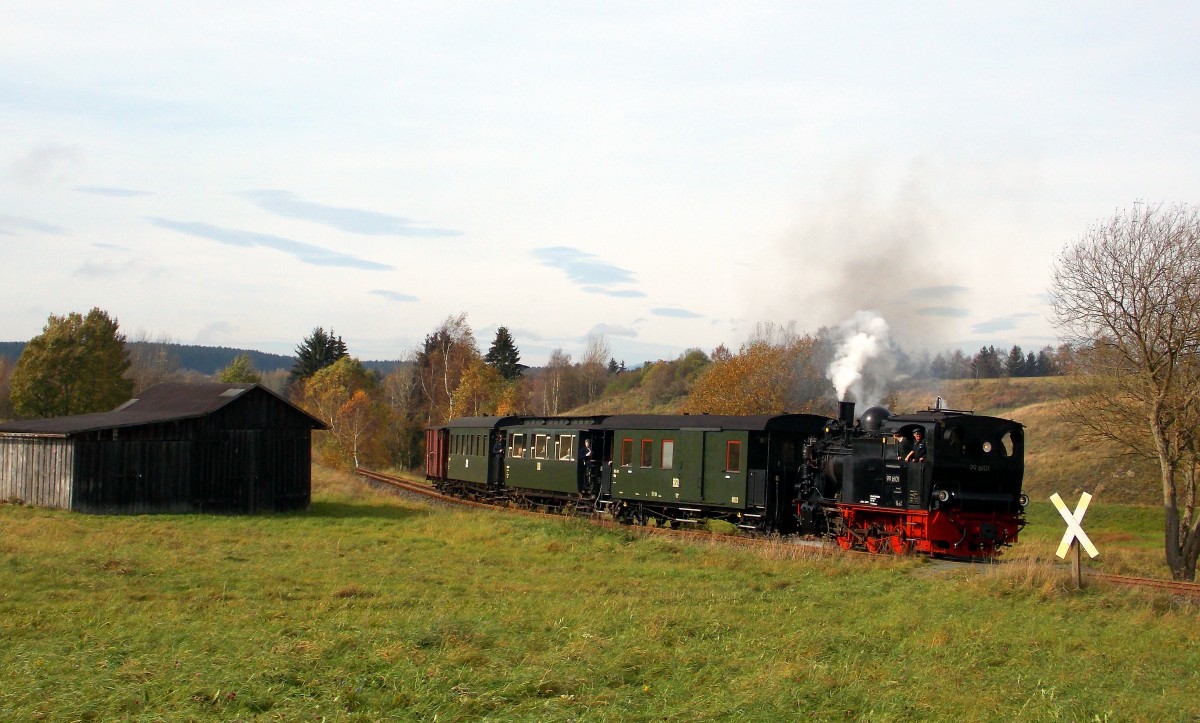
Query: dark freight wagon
x,y
173,448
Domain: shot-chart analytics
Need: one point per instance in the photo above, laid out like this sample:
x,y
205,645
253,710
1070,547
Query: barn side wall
x,y
36,470
253,455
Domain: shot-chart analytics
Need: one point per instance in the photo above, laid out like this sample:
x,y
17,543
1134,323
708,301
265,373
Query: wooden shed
x,y
174,448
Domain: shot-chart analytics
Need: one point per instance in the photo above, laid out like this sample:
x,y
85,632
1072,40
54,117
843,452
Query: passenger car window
x,y
733,456
668,454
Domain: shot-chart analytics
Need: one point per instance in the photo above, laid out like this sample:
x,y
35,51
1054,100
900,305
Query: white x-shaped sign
x,y
1074,530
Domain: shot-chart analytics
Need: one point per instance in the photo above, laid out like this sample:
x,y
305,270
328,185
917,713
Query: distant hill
x,y
211,359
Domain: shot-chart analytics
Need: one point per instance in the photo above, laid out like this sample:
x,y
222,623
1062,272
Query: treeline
x,y
201,359
991,363
378,413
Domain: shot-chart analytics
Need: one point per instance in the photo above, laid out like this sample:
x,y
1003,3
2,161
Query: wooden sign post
x,y
1074,536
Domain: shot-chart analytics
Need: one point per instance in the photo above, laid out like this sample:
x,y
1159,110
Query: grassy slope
x,y
1057,459
367,607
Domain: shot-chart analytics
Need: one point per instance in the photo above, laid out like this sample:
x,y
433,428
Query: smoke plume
x,y
864,359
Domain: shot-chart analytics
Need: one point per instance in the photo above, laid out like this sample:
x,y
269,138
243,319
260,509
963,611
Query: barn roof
x,y
166,402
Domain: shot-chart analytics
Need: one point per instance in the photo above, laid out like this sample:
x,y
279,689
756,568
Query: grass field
x,y
368,607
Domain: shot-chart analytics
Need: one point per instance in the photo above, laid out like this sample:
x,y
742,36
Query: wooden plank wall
x,y
36,470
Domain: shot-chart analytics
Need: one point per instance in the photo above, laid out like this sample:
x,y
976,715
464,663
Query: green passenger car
x,y
545,462
680,469
473,465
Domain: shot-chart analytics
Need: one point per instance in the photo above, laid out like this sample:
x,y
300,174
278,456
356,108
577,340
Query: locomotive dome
x,y
873,418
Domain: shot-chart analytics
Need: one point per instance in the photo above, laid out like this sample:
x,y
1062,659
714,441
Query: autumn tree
x,y
240,371
76,365
345,395
503,355
479,389
317,351
767,375
1127,294
444,356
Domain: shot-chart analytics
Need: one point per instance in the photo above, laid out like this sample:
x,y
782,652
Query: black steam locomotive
x,y
940,482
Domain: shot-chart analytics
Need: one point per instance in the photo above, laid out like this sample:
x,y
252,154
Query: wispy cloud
x,y
1000,323
946,311
675,313
393,295
99,270
112,192
48,163
110,247
305,253
597,277
617,293
352,220
12,224
613,330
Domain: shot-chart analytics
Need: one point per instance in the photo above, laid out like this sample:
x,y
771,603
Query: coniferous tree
x,y
504,356
76,365
1014,365
317,351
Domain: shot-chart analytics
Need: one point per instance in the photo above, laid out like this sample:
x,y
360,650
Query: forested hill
x,y
202,359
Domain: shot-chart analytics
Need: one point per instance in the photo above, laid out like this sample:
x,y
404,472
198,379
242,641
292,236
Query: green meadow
x,y
370,607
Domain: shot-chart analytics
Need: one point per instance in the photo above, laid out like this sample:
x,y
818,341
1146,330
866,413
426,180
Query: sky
x,y
669,175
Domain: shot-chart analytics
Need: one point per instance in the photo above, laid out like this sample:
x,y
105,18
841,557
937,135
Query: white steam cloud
x,y
865,359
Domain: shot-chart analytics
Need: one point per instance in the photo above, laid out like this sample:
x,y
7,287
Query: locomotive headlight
x,y
1023,500
987,447
941,495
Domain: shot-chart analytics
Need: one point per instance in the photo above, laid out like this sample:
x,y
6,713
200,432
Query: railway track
x,y
427,492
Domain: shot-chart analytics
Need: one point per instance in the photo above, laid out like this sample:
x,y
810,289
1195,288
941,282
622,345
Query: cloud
x,y
305,253
675,313
46,164
97,270
937,292
112,192
1000,323
11,224
110,247
215,332
612,330
393,295
954,312
618,293
352,220
596,276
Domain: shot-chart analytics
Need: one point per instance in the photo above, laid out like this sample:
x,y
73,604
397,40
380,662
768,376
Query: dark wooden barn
x,y
174,448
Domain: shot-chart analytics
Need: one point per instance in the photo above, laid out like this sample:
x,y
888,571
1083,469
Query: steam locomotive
x,y
867,483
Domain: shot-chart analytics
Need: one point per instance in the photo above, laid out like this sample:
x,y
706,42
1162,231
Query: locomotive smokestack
x,y
846,413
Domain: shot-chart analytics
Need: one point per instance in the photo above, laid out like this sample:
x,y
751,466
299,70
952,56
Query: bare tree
x,y
152,360
1128,296
593,367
